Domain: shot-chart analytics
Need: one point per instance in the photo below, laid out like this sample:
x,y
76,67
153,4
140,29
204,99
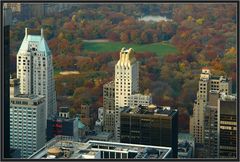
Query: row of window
x,y
228,128
123,93
228,122
22,112
22,139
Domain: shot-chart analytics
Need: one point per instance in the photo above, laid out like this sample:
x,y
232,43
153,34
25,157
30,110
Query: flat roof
x,y
77,149
111,83
150,110
28,97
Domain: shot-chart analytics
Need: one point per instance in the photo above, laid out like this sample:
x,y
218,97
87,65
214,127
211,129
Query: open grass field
x,y
161,49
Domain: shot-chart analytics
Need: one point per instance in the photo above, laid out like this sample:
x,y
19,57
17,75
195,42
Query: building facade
x,y
126,83
35,69
140,99
27,131
7,16
186,146
150,125
14,87
227,117
15,7
207,82
88,116
211,140
109,106
99,122
62,125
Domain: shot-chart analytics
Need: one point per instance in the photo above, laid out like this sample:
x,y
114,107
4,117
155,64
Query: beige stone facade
x,y
207,83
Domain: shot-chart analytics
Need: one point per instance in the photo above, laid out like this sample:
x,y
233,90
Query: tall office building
x,y
27,113
5,82
211,140
150,125
35,69
207,83
109,107
126,83
227,129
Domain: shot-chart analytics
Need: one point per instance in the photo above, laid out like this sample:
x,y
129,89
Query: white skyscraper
x,y
35,69
27,113
126,83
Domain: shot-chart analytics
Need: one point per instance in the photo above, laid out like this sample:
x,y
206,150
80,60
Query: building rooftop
x,y
102,136
64,147
60,119
29,96
111,83
125,50
225,97
38,39
63,109
185,136
185,150
80,124
186,144
14,82
151,109
126,57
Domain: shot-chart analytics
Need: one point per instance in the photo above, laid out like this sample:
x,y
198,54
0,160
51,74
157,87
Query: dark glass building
x,y
62,125
228,127
150,125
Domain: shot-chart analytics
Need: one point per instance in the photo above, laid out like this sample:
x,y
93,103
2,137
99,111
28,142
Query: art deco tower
x,y
207,84
126,83
35,69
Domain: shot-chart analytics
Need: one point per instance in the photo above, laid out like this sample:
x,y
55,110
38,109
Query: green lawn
x,y
160,49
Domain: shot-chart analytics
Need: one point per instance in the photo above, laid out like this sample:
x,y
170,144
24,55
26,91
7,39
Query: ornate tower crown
x,y
126,56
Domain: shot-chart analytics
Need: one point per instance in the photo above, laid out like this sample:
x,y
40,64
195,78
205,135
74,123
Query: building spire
x,y
26,32
42,33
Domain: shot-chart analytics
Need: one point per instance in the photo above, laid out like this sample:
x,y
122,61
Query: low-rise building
x,y
186,146
140,99
65,147
62,125
82,129
100,136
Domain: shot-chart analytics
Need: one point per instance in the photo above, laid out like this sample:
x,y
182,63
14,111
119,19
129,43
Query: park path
x,y
95,40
